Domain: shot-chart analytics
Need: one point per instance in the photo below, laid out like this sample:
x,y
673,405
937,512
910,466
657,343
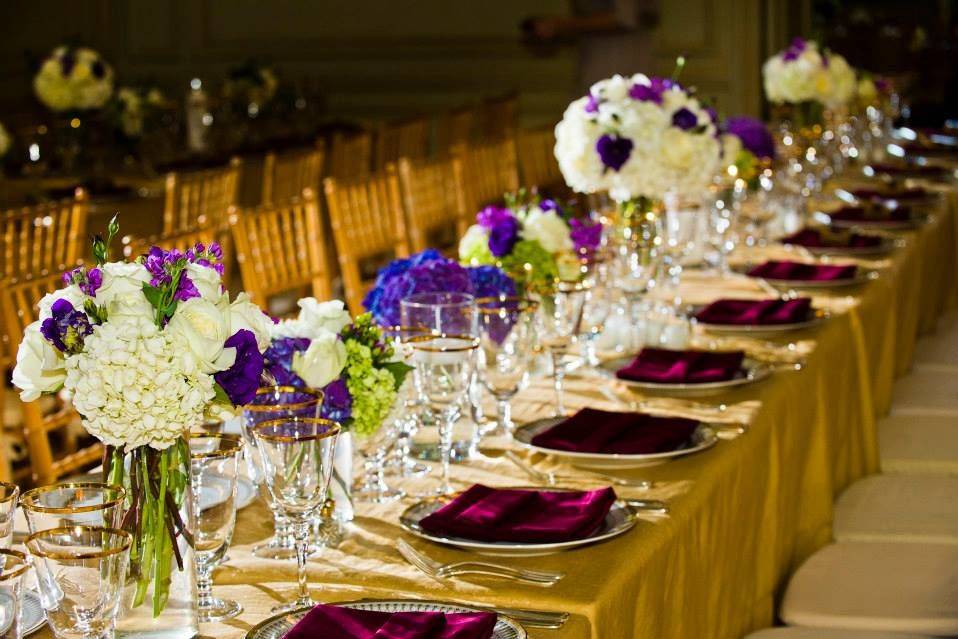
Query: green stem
x,y
161,581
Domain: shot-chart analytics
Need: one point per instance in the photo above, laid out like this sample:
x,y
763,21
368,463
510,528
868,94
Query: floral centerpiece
x,y
806,79
746,145
135,106
73,79
147,350
535,241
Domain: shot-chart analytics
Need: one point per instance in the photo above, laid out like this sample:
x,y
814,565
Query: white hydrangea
x,y
134,387
803,73
87,85
547,228
841,80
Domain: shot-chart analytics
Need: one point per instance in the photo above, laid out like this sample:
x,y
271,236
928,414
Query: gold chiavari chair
x,y
456,127
500,117
48,416
537,162
179,241
44,238
403,139
488,171
433,202
351,156
285,175
368,227
200,199
281,249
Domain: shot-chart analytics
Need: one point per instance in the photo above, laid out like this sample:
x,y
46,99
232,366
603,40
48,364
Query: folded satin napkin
x,y
663,366
338,622
598,431
803,272
906,194
756,312
521,516
909,169
880,215
815,238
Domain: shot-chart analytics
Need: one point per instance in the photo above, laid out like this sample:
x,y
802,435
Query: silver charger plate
x,y
759,330
277,626
702,438
620,519
752,371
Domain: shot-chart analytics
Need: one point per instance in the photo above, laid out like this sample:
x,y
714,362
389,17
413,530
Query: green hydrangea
x,y
531,266
373,389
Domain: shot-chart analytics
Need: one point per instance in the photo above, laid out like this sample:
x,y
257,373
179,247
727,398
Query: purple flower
x,y
651,92
210,257
586,235
549,204
491,216
754,135
185,289
337,402
503,236
592,104
88,281
66,327
614,151
491,281
794,50
684,119
278,360
241,380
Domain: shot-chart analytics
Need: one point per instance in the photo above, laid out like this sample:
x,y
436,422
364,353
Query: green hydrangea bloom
x,y
531,266
373,389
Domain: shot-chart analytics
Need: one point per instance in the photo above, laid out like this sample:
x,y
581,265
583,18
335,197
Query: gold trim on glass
x,y
29,542
27,499
472,345
467,299
331,429
237,445
13,492
7,573
317,399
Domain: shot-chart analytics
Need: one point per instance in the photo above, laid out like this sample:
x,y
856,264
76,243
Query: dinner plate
x,y
752,371
887,245
819,315
278,625
620,519
245,491
702,438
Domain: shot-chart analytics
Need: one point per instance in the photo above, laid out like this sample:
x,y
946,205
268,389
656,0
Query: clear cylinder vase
x,y
341,484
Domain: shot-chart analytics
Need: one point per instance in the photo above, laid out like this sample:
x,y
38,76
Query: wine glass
x,y
445,365
507,339
297,454
561,317
275,402
73,504
214,464
9,494
374,449
406,423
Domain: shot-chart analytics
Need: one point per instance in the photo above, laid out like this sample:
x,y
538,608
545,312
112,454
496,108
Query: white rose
x,y
474,244
548,229
40,367
322,362
132,305
245,314
202,327
289,328
121,279
207,281
71,293
331,316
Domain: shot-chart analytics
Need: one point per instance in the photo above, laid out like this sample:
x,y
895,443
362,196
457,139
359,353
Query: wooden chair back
x,y
402,139
537,162
500,117
351,157
179,241
200,199
18,299
368,224
456,127
433,201
488,171
44,238
287,174
280,248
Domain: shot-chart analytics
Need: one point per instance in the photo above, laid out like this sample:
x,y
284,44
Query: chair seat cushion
x,y
909,508
927,392
892,587
824,633
919,444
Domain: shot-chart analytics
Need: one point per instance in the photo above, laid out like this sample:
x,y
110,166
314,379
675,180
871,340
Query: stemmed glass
x,y
445,365
297,454
275,402
406,422
561,319
73,504
9,494
214,462
373,488
80,572
507,339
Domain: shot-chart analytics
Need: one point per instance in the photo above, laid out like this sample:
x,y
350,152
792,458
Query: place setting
x,y
798,275
839,241
759,318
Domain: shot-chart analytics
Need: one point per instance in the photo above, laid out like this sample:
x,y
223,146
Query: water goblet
x,y
561,318
297,455
214,465
73,504
80,573
9,496
373,487
406,423
15,566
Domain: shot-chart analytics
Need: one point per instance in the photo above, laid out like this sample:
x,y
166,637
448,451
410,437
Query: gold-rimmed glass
x,y
506,338
214,464
73,504
445,364
9,497
80,573
561,313
15,566
269,403
297,455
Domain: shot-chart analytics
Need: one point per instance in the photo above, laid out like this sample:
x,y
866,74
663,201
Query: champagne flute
x,y
561,317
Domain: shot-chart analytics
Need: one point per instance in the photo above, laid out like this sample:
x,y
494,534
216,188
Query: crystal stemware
x,y
407,422
214,464
561,318
80,573
9,494
373,487
297,454
15,566
73,504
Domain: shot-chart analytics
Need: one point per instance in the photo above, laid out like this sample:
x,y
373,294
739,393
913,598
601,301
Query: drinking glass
x,y
73,504
214,464
407,420
15,566
561,319
297,454
445,365
507,349
80,573
275,402
9,494
373,487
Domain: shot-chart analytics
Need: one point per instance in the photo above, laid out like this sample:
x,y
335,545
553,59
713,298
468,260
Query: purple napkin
x,y
815,238
663,366
339,622
879,216
755,312
803,272
521,516
597,431
909,169
880,196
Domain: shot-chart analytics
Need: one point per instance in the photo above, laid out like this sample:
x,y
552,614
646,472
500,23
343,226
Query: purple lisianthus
x,y
66,327
684,119
548,204
614,151
754,135
210,257
88,281
241,380
586,235
592,104
278,360
794,50
491,281
337,402
491,216
503,236
651,92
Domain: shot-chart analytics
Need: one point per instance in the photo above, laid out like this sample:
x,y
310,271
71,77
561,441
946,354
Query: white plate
x,y
277,626
620,519
758,330
702,438
752,371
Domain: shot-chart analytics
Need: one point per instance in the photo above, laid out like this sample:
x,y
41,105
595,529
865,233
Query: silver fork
x,y
435,569
550,479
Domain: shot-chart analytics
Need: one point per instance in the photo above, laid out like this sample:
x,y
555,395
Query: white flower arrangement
x,y
803,72
72,79
638,137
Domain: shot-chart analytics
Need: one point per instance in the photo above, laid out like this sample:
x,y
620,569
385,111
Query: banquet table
x,y
743,514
